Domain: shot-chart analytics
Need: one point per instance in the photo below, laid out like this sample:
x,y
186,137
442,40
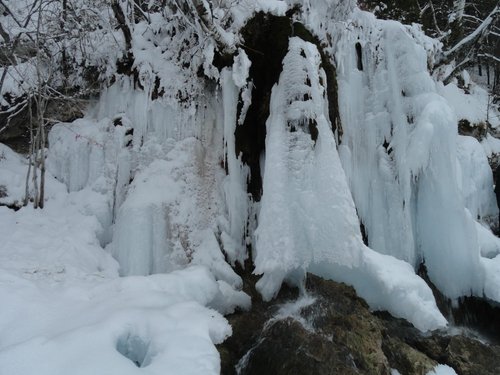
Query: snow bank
x,y
88,320
124,325
488,242
492,277
472,106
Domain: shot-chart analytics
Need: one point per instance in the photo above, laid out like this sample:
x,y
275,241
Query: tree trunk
x,y
122,24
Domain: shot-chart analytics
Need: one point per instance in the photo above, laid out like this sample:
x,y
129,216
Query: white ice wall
x,y
399,152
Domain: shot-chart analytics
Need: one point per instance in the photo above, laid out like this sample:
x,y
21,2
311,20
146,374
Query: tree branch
x,y
476,36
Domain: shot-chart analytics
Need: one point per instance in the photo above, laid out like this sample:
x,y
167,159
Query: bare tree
x,y
49,30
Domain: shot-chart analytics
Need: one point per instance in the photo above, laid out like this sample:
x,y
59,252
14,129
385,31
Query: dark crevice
x,y
364,235
359,55
266,44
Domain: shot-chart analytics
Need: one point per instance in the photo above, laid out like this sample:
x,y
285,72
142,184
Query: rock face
x,y
466,355
332,331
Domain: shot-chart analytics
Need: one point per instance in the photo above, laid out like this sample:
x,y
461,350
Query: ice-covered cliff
x,y
174,188
158,169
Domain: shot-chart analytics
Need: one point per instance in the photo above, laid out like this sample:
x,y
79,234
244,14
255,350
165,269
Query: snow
x,y
476,33
442,370
89,320
488,242
492,276
389,284
92,326
491,145
241,68
472,106
12,180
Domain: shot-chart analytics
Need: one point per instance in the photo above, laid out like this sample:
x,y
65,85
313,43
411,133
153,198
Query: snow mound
x,y
13,172
112,326
87,319
387,283
492,277
12,181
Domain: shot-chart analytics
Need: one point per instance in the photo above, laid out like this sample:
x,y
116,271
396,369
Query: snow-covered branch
x,y
490,56
476,36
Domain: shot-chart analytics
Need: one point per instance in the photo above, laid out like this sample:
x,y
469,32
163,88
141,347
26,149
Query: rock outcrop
x,y
330,330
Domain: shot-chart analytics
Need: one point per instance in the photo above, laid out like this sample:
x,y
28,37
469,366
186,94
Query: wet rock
x,y
336,333
478,131
468,356
462,349
405,359
289,348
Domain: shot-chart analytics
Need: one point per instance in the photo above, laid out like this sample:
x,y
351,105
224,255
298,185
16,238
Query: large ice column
x,y
399,152
307,221
307,214
237,200
476,179
372,116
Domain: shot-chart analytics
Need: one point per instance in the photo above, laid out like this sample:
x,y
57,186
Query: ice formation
x,y
158,185
307,215
156,167
52,263
307,219
399,150
475,179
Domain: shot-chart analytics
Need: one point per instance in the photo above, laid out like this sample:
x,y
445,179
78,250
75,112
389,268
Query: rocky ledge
x,y
330,330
